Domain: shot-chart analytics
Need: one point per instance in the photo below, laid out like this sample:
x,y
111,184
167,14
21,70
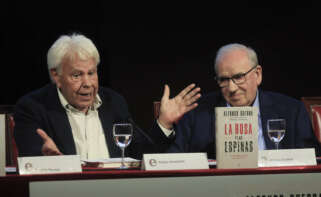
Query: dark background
x,y
145,46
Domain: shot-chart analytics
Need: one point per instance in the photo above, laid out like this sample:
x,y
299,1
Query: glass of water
x,y
276,130
122,133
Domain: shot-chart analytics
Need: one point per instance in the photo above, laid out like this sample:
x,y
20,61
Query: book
x,y
112,163
236,137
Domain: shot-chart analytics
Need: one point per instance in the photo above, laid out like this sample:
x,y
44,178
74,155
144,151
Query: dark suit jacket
x,y
42,109
195,131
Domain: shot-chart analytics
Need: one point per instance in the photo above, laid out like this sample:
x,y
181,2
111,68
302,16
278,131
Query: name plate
x,y
175,161
287,157
49,164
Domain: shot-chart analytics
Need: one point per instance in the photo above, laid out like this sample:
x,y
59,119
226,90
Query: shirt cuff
x,y
167,132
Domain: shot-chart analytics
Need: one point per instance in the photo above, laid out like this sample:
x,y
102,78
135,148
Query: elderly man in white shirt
x,y
73,115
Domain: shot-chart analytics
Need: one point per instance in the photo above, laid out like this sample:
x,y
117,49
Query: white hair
x,y
68,47
235,46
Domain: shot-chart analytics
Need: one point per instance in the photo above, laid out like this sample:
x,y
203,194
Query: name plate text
x,y
287,157
175,161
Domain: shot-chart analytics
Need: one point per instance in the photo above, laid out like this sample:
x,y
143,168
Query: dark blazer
x,y
42,109
195,131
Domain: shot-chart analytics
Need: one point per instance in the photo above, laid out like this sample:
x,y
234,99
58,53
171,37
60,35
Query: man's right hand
x,y
49,147
172,109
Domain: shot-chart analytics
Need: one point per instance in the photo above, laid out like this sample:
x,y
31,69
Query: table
x,y
273,181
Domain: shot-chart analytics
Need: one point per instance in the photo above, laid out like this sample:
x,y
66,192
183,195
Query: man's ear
x,y
55,76
258,72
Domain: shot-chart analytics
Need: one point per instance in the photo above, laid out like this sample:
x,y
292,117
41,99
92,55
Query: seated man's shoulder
x,y
280,99
39,95
37,100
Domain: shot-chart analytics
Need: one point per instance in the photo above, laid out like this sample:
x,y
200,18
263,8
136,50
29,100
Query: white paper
x,y
112,160
11,169
112,163
211,162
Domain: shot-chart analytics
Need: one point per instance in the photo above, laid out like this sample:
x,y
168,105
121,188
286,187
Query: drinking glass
x,y
276,130
122,133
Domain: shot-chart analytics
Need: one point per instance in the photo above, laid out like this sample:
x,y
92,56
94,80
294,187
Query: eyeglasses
x,y
237,79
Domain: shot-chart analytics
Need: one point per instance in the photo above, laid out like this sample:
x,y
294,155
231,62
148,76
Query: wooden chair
x,y
156,108
313,106
11,147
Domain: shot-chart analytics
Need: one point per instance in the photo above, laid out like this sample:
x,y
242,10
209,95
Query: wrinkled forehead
x,y
77,63
79,54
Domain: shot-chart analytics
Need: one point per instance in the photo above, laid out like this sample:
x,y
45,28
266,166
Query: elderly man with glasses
x,y
239,75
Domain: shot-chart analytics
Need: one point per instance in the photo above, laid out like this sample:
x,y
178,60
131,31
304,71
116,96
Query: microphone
x,y
136,127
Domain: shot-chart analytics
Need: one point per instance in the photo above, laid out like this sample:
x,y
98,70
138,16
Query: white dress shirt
x,y
167,132
87,130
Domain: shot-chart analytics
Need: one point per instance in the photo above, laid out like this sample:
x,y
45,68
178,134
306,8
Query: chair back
x,y
313,106
316,119
11,147
156,108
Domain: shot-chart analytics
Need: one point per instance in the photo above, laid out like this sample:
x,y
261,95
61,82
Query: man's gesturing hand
x,y
49,147
172,110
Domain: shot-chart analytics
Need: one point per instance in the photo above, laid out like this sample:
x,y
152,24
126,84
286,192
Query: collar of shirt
x,y
97,103
257,103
